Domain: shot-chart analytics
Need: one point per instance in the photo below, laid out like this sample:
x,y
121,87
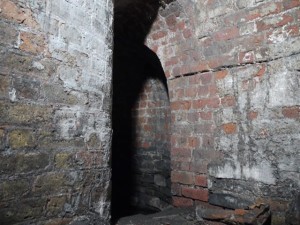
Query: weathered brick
x,y
291,112
252,115
32,43
229,128
9,189
183,177
197,194
11,11
201,180
182,202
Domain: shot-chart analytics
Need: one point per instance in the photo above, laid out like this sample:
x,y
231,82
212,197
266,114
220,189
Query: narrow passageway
x,y
140,167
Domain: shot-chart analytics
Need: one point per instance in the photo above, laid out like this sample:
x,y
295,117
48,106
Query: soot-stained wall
x,y
140,150
233,76
55,106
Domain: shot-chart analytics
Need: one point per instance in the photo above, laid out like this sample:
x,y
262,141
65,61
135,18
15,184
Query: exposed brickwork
x,y
232,69
152,149
55,75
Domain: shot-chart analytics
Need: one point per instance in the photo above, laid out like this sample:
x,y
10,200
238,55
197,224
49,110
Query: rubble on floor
x,y
253,215
172,216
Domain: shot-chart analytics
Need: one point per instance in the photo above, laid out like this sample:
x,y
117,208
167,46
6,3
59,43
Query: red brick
x,y
291,4
182,177
221,74
180,25
229,128
182,202
213,103
176,189
213,89
171,20
11,11
199,104
200,67
292,30
191,92
252,115
179,165
291,112
159,35
285,20
32,43
228,101
226,34
205,115
199,166
203,91
206,78
201,180
196,194
180,152
178,105
193,142
204,128
261,71
187,33
171,61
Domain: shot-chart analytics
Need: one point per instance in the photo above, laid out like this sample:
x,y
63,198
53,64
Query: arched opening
x,y
140,150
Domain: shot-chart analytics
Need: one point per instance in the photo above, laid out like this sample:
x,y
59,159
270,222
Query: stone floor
x,y
172,216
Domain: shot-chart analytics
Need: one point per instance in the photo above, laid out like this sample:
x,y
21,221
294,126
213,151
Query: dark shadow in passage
x,y
133,65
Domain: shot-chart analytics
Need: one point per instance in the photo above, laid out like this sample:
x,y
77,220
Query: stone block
x,y
293,213
25,114
4,87
63,160
160,180
27,209
55,93
8,34
9,189
16,61
18,139
25,87
55,206
2,140
54,182
23,163
228,201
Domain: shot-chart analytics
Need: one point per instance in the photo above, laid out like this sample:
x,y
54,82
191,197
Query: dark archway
x,y
133,64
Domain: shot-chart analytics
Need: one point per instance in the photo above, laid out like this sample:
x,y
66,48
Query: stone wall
x,y
55,106
233,75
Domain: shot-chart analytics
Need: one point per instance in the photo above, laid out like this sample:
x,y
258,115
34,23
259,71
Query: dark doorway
x,y
133,65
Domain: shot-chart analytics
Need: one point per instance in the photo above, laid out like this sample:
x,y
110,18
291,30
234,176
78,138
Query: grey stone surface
x,y
173,216
228,201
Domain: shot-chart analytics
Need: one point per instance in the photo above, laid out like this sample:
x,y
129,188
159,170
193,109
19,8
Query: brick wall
x,y
151,155
233,75
55,85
